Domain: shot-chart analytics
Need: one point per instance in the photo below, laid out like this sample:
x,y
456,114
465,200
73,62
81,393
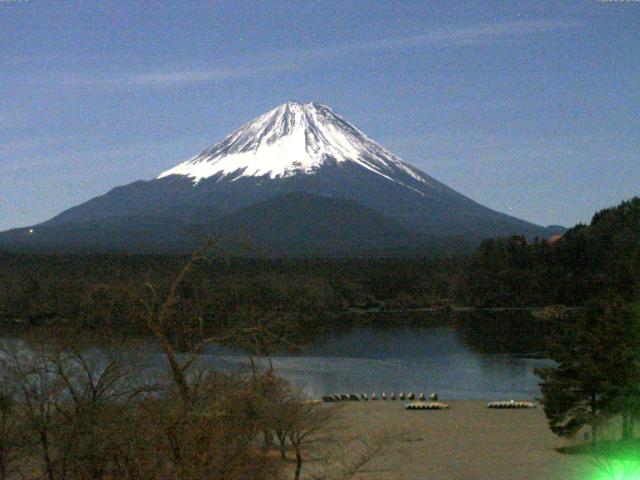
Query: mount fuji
x,y
298,179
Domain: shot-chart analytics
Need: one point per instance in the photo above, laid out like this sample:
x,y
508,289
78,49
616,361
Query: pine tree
x,y
595,369
628,400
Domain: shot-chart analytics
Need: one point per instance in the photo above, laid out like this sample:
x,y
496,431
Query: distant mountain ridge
x,y
302,149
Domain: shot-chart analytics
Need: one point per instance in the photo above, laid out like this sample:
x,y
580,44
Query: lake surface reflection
x,y
414,359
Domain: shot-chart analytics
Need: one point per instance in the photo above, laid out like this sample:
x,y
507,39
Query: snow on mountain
x,y
294,138
297,172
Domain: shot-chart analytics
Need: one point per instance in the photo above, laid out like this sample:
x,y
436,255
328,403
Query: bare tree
x,y
86,416
210,431
74,404
158,315
309,420
274,400
347,459
37,392
9,442
98,389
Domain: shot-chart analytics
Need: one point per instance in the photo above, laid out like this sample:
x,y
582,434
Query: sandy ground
x,y
467,442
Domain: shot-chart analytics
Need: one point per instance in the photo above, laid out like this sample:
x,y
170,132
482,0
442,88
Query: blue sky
x,y
531,108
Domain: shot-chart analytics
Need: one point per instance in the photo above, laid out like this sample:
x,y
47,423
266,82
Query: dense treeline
x,y
596,348
588,261
597,352
44,288
597,260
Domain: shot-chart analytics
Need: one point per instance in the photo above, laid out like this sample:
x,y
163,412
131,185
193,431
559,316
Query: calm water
x,y
408,359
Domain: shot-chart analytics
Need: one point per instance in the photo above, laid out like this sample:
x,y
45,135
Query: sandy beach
x,y
466,442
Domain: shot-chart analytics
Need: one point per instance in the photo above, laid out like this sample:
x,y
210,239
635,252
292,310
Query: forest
x,y
599,260
589,261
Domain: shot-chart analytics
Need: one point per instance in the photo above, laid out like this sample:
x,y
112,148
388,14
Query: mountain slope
x,y
306,225
309,224
295,148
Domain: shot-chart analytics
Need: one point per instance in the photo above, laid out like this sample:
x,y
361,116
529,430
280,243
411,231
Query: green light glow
x,y
617,459
617,470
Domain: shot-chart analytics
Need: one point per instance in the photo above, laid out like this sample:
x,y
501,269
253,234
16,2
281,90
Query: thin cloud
x,y
448,37
283,61
163,79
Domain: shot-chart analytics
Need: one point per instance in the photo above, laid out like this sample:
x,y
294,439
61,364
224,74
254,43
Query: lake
x,y
405,359
375,359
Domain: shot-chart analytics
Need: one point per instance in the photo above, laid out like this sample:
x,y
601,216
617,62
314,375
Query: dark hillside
x,y
597,260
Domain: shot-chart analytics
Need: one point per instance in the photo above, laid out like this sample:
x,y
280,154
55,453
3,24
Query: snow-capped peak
x,y
294,138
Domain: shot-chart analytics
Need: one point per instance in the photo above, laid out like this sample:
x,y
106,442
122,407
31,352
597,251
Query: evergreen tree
x,y
596,368
628,398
